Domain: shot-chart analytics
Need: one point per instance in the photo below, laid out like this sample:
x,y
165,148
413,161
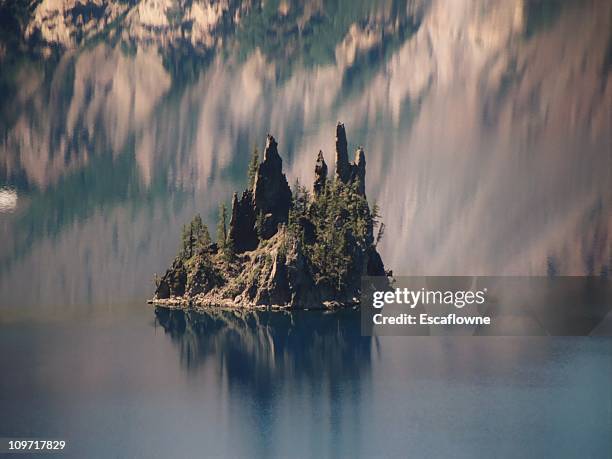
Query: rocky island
x,y
294,249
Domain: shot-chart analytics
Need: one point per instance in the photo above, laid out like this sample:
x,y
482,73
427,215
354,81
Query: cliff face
x,y
70,23
272,195
287,249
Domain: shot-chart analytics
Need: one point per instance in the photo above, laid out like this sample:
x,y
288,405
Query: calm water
x,y
486,127
122,383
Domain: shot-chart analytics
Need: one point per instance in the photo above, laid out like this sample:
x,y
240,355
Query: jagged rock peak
x,y
342,162
320,174
272,195
360,157
358,170
346,171
271,151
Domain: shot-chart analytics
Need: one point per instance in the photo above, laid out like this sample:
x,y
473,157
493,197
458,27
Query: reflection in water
x,y
483,161
269,358
8,199
307,384
255,348
300,385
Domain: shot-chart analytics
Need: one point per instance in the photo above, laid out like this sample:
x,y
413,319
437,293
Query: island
x,y
283,248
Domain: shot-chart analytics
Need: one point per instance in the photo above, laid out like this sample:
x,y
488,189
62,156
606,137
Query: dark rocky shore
x,y
297,249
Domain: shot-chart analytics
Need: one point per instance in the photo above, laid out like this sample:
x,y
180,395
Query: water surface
x,y
131,383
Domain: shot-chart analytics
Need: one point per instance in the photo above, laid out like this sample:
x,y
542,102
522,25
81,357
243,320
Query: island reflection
x,y
257,348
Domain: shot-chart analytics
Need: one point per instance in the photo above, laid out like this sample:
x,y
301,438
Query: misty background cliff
x,y
486,125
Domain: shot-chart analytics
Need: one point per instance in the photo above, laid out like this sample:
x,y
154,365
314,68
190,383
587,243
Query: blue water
x,y
128,383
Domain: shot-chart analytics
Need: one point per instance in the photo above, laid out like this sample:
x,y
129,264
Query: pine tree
x,y
377,222
301,198
259,224
204,238
196,229
379,235
224,242
196,223
186,242
375,213
222,227
201,235
228,250
253,166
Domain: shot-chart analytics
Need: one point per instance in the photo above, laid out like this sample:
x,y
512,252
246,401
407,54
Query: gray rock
x,y
320,174
272,195
347,172
342,162
173,281
358,171
242,229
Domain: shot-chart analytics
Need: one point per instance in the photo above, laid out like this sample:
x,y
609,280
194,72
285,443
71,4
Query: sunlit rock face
x,y
509,154
95,100
486,126
69,23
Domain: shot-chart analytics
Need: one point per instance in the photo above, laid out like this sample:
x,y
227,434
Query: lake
x,y
486,129
127,382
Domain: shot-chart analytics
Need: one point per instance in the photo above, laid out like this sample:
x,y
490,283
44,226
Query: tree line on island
x,y
283,248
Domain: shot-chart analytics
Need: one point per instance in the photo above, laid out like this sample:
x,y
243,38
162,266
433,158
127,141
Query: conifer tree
x,y
259,224
228,249
187,241
253,166
224,242
196,229
201,235
222,227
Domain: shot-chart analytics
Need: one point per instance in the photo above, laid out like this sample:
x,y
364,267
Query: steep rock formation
x,y
272,194
342,162
290,250
320,174
346,171
174,281
358,171
242,231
